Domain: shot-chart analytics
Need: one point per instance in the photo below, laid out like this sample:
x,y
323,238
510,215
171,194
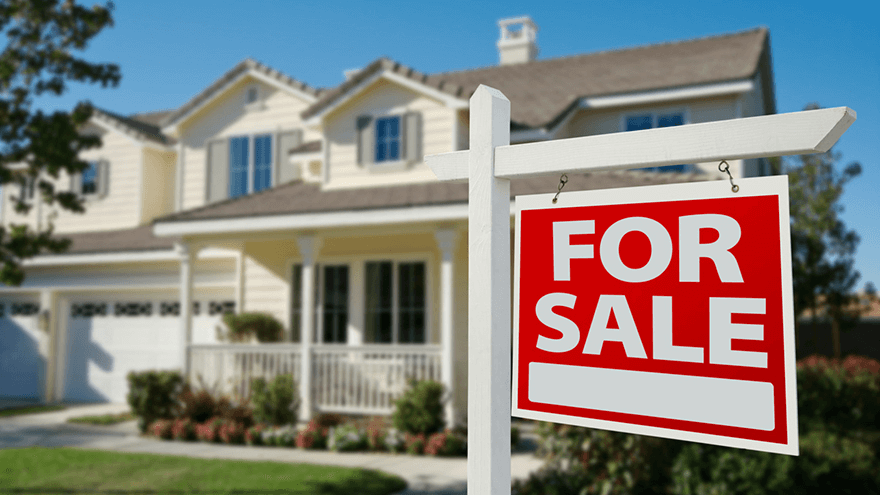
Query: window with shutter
x,y
238,166
637,122
262,162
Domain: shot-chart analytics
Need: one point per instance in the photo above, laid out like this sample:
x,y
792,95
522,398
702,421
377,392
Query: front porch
x,y
345,379
365,311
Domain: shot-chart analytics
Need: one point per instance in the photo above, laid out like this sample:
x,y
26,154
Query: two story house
x,y
264,194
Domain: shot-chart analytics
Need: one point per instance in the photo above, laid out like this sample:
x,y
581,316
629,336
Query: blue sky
x,y
825,52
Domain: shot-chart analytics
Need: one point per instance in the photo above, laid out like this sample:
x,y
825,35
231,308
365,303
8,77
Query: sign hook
x,y
725,169
562,180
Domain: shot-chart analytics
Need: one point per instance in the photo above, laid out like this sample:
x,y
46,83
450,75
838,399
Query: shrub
x,y
152,394
414,443
183,429
254,435
276,402
312,437
347,438
161,428
839,396
446,443
420,409
581,460
231,432
197,407
376,432
394,440
328,420
209,430
245,325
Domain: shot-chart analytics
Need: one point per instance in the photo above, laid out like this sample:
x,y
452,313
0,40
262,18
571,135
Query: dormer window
x,y
90,179
93,181
389,142
388,139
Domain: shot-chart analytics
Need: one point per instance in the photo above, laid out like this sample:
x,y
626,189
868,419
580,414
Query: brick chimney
x,y
518,42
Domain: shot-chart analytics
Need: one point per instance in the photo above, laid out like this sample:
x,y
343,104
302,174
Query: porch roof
x,y
299,197
136,239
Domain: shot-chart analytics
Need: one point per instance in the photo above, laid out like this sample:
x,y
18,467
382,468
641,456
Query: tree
x,y
37,147
823,249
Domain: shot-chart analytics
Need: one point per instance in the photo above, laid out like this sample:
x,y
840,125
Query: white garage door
x,y
108,338
21,364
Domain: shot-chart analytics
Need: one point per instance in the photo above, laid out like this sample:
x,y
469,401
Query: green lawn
x,y
73,471
30,410
104,419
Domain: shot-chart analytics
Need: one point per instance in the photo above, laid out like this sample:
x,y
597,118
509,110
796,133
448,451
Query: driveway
x,y
424,475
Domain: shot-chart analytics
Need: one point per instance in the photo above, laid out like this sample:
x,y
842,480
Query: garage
x,y
107,337
22,365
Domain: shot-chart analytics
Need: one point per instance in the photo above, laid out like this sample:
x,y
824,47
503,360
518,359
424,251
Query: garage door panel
x,y
137,332
21,363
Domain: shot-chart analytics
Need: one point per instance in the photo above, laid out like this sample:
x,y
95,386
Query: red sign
x,y
660,310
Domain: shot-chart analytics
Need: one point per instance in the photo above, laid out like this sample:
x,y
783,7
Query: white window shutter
x,y
103,178
287,141
75,184
218,170
366,140
412,137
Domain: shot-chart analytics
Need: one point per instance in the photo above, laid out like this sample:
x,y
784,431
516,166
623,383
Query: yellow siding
x,y
265,279
118,210
385,98
158,184
228,117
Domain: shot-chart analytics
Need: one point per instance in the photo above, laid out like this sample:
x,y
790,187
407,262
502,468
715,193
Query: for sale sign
x,y
660,310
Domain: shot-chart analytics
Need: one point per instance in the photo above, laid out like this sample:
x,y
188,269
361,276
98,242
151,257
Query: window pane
x,y
638,122
387,139
378,303
262,162
238,166
670,120
411,303
90,179
295,303
335,304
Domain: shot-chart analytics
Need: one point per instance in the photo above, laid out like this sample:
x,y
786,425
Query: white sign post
x,y
492,162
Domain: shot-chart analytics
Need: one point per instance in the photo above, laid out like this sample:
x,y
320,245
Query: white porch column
x,y
446,239
187,257
308,249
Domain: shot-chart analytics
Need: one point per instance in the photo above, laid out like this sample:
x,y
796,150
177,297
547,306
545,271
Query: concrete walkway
x,y
424,475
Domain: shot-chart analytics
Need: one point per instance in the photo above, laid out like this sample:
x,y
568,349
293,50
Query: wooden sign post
x,y
488,167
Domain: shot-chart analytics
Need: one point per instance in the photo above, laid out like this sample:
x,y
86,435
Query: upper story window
x,y
249,172
388,139
639,122
94,181
252,95
27,189
90,179
252,98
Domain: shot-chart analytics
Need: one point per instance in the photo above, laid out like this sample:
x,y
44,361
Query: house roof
x,y
137,239
301,197
135,126
542,90
217,86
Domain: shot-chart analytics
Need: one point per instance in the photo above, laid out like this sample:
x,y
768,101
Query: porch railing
x,y
230,368
345,379
367,379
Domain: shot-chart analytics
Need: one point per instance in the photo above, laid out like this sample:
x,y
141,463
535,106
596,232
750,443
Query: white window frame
x,y
356,331
401,163
655,114
252,159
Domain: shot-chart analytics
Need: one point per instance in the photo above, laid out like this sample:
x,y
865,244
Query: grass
x,y
17,411
104,419
74,471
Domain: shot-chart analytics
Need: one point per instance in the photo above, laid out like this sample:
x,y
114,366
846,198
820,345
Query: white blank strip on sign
x,y
719,401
